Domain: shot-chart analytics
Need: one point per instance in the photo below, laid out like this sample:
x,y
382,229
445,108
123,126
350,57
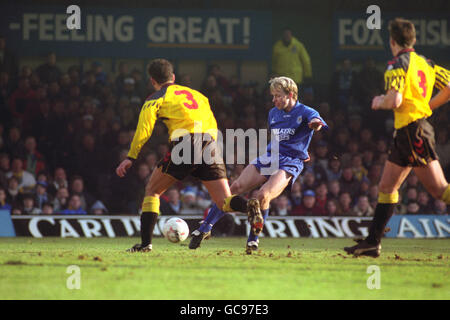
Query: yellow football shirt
x,y
414,77
182,109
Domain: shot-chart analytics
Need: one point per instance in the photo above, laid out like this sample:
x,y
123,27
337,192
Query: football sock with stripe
x,y
148,222
235,203
383,212
446,195
149,217
214,215
252,236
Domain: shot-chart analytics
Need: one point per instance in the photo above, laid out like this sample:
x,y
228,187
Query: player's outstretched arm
x,y
441,98
316,124
121,170
392,100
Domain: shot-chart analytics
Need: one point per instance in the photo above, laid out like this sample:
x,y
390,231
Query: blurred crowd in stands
x,y
63,132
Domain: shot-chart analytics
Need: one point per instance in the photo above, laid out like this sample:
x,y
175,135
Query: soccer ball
x,y
176,230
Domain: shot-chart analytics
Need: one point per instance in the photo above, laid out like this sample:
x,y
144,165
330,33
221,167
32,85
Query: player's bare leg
x,y
224,202
249,179
433,179
271,189
391,180
159,182
219,190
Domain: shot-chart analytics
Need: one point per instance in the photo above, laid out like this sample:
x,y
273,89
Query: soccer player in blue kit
x,y
292,124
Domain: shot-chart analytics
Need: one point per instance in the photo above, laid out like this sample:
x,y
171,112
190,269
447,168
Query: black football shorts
x,y
194,164
413,145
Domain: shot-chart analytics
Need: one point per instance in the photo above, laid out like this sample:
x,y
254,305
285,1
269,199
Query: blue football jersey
x,y
291,130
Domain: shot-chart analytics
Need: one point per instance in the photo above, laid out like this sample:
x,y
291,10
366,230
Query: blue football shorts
x,y
293,166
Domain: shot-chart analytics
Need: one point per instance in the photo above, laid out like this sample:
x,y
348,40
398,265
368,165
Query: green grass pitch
x,y
285,268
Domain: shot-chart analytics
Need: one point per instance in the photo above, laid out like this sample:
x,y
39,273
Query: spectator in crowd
x,y
334,189
368,158
321,196
308,206
342,85
61,199
129,91
345,203
47,208
26,179
332,208
75,206
189,202
309,180
366,139
322,154
352,149
29,206
140,180
369,83
334,171
20,100
425,205
314,167
97,71
5,91
8,60
348,182
151,159
59,180
359,171
282,206
4,168
13,194
172,205
14,145
89,162
98,208
4,205
34,160
443,147
374,174
77,188
41,194
49,71
440,207
290,58
295,196
373,195
121,76
412,207
411,195
17,210
362,207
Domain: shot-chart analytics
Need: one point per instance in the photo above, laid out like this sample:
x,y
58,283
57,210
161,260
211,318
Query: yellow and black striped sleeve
x,y
442,77
394,78
146,123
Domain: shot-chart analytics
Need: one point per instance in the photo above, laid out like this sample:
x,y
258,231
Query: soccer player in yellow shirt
x,y
409,82
188,116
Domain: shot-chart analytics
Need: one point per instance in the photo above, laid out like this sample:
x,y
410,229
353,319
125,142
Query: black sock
x,y
238,203
383,212
148,222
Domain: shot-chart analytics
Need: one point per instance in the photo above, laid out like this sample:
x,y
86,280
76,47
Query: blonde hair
x,y
287,85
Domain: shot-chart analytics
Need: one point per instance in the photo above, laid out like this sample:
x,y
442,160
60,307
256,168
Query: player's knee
x,y
263,198
386,188
151,192
236,188
438,193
